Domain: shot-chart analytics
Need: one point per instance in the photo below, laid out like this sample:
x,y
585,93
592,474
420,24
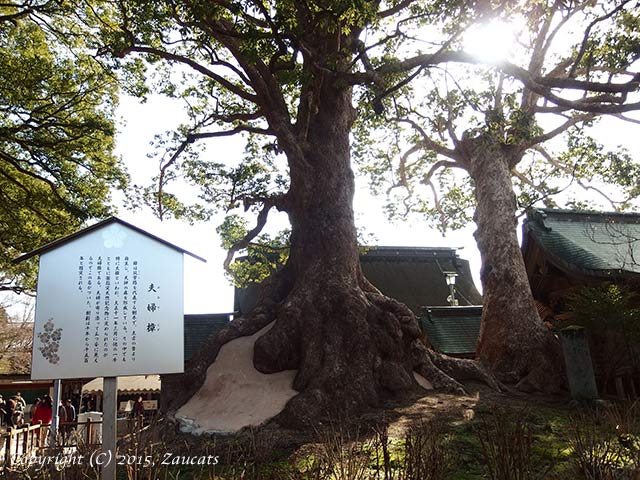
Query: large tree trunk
x,y
353,348
514,343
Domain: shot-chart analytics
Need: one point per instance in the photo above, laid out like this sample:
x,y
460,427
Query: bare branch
x,y
267,204
607,102
437,166
557,131
626,119
430,144
571,171
227,133
199,68
393,10
587,33
402,170
438,204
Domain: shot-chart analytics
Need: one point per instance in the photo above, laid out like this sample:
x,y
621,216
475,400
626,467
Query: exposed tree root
x,y
353,349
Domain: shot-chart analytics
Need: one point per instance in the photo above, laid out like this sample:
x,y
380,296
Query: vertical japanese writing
x,y
87,312
108,304
126,313
101,322
117,320
90,310
80,273
152,307
110,287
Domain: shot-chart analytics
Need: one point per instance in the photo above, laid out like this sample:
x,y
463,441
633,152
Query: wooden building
x,y
415,276
567,250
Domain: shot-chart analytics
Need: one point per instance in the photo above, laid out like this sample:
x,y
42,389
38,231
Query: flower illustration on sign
x,y
50,339
114,237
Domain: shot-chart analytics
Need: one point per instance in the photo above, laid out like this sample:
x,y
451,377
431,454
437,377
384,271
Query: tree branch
x,y
557,131
626,119
197,67
543,86
428,143
267,204
587,33
426,180
52,186
571,171
397,9
226,133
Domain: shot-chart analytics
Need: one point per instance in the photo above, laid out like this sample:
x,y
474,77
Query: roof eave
x,y
61,241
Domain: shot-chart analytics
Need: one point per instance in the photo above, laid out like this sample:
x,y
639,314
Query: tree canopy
x,y
56,133
421,146
484,121
293,77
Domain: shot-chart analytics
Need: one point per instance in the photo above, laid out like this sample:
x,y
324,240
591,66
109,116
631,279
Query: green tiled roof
x,y
197,328
600,244
453,330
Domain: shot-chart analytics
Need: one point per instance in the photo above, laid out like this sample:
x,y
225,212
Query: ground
x,y
485,434
475,434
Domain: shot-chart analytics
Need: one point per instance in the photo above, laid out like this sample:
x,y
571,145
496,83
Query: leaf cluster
x,y
264,256
609,308
56,136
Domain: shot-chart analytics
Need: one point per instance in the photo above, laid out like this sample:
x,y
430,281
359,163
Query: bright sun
x,y
491,42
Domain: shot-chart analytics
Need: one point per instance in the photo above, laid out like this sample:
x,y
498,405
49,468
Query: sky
x,y
207,290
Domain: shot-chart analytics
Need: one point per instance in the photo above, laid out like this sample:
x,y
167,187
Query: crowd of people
x,y
13,412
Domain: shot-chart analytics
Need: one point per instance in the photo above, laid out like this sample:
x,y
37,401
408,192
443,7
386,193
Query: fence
x,y
33,440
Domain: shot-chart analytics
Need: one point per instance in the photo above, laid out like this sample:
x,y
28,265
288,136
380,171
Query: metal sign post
x,y
55,417
109,427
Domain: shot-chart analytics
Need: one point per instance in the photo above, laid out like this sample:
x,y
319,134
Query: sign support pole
x,y
109,427
55,417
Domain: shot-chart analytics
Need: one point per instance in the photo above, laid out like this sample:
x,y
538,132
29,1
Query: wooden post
x,y
109,423
620,388
7,453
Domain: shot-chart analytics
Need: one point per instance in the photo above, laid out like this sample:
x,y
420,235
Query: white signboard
x,y
110,303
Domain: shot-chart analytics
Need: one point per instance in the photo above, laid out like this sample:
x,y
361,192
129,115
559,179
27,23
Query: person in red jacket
x,y
44,412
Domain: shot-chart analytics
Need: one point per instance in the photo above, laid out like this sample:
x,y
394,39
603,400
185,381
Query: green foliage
x,y
56,135
592,162
443,111
614,45
267,71
606,309
264,256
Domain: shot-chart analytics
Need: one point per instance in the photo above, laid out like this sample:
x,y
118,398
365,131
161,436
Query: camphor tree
x,y
283,73
56,133
494,125
287,74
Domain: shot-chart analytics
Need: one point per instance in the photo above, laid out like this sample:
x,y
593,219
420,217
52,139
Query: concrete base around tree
x,y
235,394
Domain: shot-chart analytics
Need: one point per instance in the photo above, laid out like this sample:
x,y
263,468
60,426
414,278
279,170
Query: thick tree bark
x,y
514,343
353,348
